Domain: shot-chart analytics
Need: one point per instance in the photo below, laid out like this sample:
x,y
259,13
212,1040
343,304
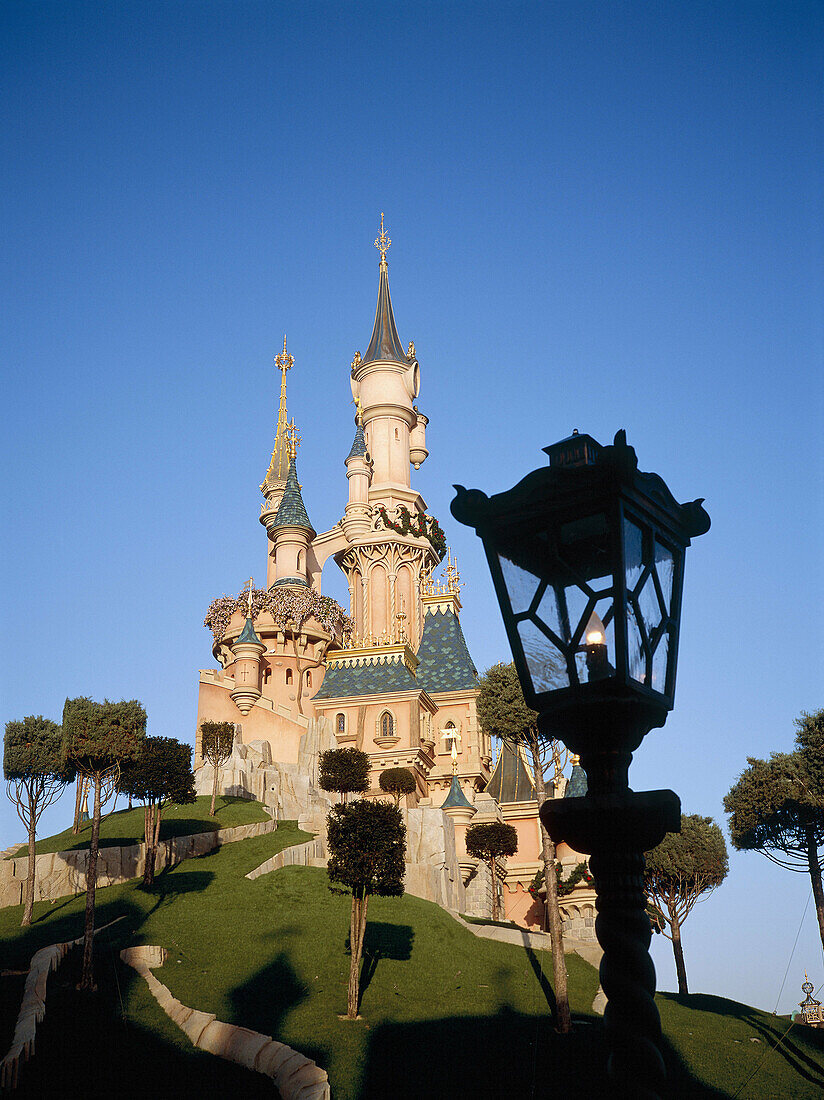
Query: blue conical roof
x,y
577,786
248,634
291,511
456,799
358,444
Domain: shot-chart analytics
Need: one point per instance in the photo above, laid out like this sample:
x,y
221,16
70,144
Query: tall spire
x,y
279,464
385,342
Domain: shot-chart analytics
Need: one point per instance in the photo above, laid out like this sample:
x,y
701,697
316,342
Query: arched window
x,y
308,679
300,561
340,723
288,675
449,732
387,726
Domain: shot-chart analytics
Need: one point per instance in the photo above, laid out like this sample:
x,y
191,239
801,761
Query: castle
x,y
393,676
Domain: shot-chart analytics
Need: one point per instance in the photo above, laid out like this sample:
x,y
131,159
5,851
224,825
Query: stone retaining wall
x,y
58,874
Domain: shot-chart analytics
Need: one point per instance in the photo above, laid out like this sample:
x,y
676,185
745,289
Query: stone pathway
x,y
295,1076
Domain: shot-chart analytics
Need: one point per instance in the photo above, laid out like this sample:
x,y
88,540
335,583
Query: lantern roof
x,y
571,479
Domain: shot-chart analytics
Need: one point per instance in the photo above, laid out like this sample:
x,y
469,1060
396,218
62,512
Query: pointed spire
x,y
291,510
385,342
279,464
456,799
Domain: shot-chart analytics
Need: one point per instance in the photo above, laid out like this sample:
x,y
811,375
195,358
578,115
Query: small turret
x,y
291,530
356,518
247,651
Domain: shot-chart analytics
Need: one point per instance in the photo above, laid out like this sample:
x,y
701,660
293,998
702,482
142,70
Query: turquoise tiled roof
x,y
358,444
248,634
577,786
371,678
300,581
444,661
456,799
291,511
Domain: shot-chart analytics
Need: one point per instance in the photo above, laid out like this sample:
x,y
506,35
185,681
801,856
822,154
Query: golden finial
x,y
356,361
358,410
293,436
249,604
410,351
284,360
382,243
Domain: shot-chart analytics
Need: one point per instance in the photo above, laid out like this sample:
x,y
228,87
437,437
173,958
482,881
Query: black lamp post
x,y
587,558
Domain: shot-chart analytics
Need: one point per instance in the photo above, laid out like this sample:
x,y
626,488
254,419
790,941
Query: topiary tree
x,y
503,713
96,739
367,841
489,843
159,775
216,742
775,809
344,771
34,778
397,781
684,868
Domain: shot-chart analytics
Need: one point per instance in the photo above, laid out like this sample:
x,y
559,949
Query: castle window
x,y
340,723
300,561
308,679
288,675
387,725
396,434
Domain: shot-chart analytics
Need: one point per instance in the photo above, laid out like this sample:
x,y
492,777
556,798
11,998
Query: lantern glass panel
x,y
633,553
635,648
521,585
665,568
659,664
649,606
546,663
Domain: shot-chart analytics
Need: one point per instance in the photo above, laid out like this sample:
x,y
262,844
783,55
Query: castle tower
x,y
274,483
290,531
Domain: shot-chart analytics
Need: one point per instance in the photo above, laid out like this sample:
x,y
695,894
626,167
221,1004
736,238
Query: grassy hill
x,y
444,1013
126,826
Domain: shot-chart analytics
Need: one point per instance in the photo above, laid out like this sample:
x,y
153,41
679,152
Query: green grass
x,y
126,826
444,1013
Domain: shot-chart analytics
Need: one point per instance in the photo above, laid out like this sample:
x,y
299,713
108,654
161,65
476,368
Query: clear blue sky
x,y
604,216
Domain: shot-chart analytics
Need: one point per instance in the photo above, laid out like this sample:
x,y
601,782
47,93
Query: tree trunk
x,y
815,878
81,779
678,951
556,931
149,844
29,909
357,929
493,870
214,790
87,977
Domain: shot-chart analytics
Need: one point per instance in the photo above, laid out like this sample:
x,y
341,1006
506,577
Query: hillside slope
x,y
444,1013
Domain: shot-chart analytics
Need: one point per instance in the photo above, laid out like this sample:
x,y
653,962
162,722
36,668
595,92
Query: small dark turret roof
x,y
291,511
444,663
385,342
577,786
510,782
358,444
456,799
248,634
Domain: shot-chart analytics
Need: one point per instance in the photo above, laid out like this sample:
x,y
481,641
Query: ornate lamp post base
x,y
615,830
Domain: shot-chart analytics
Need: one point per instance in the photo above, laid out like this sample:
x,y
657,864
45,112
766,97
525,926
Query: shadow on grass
x,y
383,941
800,1047
167,887
268,997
